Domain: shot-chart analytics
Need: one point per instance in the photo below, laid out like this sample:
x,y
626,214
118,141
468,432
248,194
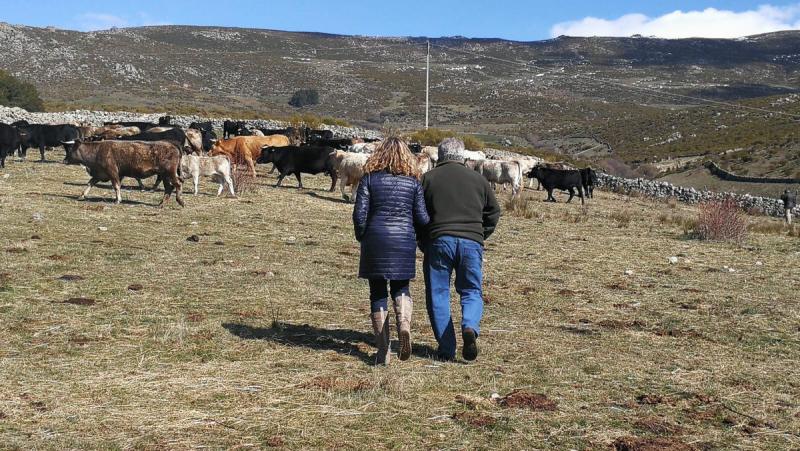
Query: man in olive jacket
x,y
463,212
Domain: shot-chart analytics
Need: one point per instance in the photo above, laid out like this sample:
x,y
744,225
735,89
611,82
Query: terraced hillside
x,y
615,91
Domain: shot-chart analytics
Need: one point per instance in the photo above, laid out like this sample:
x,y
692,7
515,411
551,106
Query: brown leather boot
x,y
403,307
380,326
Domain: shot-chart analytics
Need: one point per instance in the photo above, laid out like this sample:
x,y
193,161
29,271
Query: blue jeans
x,y
442,256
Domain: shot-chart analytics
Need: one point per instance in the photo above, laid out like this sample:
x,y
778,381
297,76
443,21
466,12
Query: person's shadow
x,y
343,341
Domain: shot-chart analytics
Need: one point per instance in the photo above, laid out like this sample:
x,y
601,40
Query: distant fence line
x,y
730,176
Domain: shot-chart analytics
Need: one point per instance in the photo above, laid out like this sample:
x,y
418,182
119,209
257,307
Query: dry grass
x,y
257,335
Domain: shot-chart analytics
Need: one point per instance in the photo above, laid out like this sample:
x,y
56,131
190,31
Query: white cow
x,y
497,171
218,168
350,168
363,148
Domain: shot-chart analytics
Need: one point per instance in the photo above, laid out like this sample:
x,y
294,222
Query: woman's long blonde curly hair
x,y
394,156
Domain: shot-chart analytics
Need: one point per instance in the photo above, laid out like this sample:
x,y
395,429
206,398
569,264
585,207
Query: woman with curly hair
x,y
389,207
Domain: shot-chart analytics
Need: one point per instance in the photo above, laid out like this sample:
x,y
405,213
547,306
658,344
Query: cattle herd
x,y
140,150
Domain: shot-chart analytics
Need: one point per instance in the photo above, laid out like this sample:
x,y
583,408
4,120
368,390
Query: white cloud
x,y
708,23
93,21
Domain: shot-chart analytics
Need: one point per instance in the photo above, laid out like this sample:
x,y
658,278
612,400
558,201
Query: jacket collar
x,y
443,163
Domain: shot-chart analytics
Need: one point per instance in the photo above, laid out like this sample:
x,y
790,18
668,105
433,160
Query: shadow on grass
x,y
109,200
343,341
336,200
108,186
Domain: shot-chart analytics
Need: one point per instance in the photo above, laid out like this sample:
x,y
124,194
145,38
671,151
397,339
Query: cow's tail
x,y
520,185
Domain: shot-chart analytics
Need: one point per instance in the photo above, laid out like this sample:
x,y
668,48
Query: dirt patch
x,y
692,290
657,425
36,237
193,239
329,383
264,273
475,419
567,292
39,406
621,324
58,258
70,278
652,399
276,441
651,444
195,317
16,250
526,400
623,285
80,341
3,416
135,287
80,301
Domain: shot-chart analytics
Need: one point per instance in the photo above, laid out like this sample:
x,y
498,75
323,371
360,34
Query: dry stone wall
x,y
664,190
9,115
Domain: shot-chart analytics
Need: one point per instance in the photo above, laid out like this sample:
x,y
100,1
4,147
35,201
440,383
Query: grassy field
x,y
119,333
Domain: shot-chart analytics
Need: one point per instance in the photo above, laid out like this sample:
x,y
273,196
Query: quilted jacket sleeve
x,y
421,218
361,209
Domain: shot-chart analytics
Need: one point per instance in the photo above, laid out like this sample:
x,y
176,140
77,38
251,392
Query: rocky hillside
x,y
587,96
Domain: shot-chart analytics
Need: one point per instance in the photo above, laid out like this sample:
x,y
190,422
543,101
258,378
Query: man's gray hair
x,y
451,149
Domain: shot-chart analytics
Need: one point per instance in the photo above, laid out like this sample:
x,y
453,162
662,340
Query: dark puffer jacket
x,y
387,211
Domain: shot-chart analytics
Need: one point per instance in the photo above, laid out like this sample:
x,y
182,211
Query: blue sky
x,y
515,19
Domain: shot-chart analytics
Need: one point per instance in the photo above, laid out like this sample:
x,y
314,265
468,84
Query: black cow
x,y
244,131
9,142
568,180
415,147
300,159
288,132
41,136
175,136
143,126
231,128
164,121
20,123
315,135
202,126
341,144
588,179
209,138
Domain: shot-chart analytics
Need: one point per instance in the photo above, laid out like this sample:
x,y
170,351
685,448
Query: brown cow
x,y
247,149
114,160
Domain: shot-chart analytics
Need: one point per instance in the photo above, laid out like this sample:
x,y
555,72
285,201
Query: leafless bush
x,y
520,207
623,218
243,180
721,221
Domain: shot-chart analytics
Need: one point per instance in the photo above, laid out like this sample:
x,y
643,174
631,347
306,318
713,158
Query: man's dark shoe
x,y
470,350
444,357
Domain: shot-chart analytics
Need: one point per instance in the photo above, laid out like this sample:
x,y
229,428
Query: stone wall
x,y
726,175
664,190
9,115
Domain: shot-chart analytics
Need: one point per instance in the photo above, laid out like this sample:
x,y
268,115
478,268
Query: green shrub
x,y
18,93
304,97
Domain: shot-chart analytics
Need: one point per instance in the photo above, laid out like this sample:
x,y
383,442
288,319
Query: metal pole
x,y
427,85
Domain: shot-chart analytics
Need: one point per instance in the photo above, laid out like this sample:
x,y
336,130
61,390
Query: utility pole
x,y
427,84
